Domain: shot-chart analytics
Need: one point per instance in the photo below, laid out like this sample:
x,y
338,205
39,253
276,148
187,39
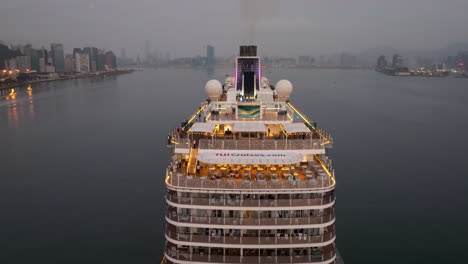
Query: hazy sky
x,y
284,27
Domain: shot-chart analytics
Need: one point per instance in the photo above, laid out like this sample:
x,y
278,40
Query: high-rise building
x,y
304,60
93,57
77,60
82,62
381,63
28,50
23,63
58,57
33,55
110,60
123,54
100,65
347,60
77,50
210,59
397,61
321,60
69,63
6,54
10,64
147,51
42,65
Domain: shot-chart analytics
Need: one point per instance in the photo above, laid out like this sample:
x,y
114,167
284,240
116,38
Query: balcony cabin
x,y
250,199
248,217
250,255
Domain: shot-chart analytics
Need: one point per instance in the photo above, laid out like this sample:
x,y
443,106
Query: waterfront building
x,y
92,57
23,63
42,65
100,65
249,180
347,60
28,50
82,62
210,59
397,61
77,59
381,63
43,57
305,60
147,51
110,61
50,68
58,58
69,63
10,64
123,54
35,60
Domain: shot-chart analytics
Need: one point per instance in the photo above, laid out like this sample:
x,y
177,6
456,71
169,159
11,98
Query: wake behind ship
x,y
250,180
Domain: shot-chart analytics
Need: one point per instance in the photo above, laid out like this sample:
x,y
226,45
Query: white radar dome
x,y
214,88
284,89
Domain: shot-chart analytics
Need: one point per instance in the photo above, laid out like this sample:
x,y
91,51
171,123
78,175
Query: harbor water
x,y
83,163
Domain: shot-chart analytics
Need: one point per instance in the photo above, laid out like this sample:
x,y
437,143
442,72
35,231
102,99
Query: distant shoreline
x,y
77,76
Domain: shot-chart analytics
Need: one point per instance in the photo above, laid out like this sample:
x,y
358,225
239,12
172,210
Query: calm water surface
x,y
83,161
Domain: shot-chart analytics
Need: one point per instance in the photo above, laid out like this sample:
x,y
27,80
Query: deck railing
x,y
204,183
261,144
250,240
185,255
232,202
311,220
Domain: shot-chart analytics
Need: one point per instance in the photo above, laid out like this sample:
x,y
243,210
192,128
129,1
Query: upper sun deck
x,y
222,125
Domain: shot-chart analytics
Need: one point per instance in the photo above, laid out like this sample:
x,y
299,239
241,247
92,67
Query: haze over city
x,y
288,28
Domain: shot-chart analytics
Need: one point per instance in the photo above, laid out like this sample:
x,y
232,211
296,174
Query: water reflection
x,y
12,109
31,111
18,106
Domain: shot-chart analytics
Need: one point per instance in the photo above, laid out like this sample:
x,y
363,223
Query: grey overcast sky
x,y
279,27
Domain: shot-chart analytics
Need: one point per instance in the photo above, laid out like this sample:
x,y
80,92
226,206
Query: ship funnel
x,y
248,51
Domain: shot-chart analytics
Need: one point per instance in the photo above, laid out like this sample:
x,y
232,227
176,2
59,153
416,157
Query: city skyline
x,y
28,59
317,27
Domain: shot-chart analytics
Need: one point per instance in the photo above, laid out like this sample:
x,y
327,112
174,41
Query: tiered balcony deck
x,y
313,175
232,255
280,239
240,221
228,203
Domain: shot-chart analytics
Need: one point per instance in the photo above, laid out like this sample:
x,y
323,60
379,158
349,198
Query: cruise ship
x,y
249,179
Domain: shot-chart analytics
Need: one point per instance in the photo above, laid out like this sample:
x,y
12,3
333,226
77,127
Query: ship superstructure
x,y
250,180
